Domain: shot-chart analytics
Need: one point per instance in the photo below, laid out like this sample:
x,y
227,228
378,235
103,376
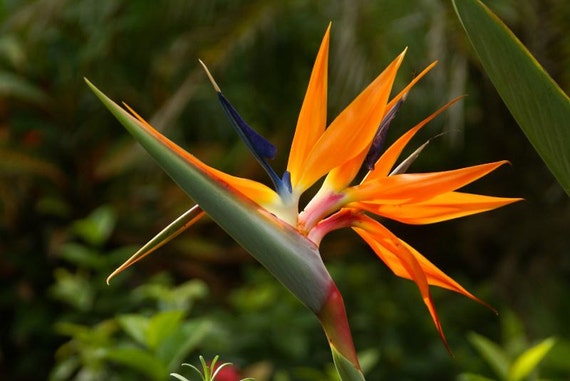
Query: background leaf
x,y
472,377
136,326
161,326
530,359
536,102
492,353
140,360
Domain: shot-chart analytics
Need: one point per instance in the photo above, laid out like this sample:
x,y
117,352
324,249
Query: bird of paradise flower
x,y
338,152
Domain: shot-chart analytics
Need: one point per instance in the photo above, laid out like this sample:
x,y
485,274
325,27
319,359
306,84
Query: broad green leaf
x,y
537,103
73,288
492,353
529,360
173,298
83,256
136,326
141,361
97,227
191,335
161,326
290,257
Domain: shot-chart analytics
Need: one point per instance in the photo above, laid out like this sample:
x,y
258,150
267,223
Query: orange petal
x,y
374,231
407,89
388,159
313,116
255,191
352,131
258,192
401,260
340,177
442,207
417,187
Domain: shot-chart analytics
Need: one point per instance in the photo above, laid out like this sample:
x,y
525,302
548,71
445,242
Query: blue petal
x,y
260,147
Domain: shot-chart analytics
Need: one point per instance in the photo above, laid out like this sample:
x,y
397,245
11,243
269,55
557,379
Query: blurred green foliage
x,y
77,196
516,359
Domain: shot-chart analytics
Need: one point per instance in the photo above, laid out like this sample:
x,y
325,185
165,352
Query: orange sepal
x,y
402,261
352,131
313,115
340,177
375,234
416,187
440,208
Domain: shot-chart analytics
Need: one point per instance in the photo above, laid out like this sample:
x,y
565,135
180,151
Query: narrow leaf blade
x,y
537,103
166,235
492,353
529,360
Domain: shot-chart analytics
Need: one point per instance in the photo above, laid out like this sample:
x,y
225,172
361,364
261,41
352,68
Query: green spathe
x,y
290,257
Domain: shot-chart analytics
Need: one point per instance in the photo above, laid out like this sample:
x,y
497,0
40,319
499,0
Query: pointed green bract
x,y
537,103
166,235
290,257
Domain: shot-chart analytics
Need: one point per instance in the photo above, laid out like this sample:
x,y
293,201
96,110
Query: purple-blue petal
x,y
260,147
255,142
375,150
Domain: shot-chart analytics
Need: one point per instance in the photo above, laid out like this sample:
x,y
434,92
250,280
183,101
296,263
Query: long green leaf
x,y
290,257
492,353
537,103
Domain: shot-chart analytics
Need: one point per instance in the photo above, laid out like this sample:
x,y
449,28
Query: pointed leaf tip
x,y
173,230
